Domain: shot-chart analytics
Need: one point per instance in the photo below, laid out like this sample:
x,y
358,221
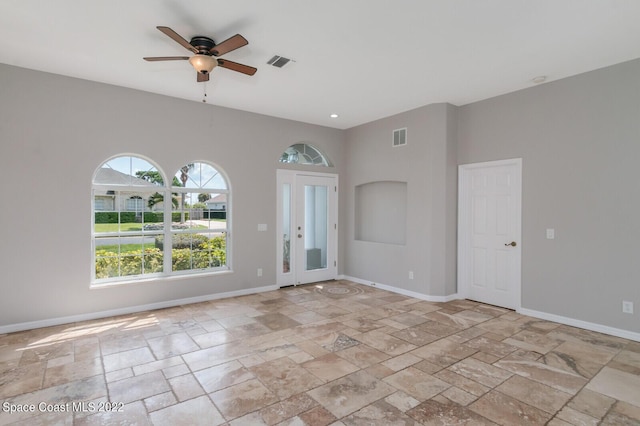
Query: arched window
x,y
199,229
302,153
125,219
132,240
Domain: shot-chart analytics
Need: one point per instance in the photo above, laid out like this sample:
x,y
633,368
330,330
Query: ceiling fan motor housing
x,y
203,44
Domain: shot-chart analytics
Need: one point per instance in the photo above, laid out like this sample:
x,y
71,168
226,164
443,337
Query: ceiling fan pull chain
x,y
204,96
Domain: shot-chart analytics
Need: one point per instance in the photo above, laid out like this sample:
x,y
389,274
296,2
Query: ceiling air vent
x,y
278,61
400,137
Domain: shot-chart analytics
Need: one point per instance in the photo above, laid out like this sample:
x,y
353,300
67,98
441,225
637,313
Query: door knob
x,y
512,244
299,235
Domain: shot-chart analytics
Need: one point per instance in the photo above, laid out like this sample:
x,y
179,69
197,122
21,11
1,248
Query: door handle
x,y
299,235
512,244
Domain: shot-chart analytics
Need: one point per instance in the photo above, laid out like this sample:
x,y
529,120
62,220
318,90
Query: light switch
x,y
262,227
551,233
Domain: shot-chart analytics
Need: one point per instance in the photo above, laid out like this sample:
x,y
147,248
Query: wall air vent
x,y
278,61
400,137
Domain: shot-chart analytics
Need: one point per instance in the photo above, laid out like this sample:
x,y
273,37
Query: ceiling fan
x,y
206,53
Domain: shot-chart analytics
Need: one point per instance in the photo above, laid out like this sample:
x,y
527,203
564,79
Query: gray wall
x,y
427,164
579,139
55,131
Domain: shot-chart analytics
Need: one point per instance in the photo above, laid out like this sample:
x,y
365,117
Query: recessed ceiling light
x,y
334,115
540,79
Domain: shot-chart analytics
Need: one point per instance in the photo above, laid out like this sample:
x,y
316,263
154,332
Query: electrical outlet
x,y
259,272
627,307
410,275
551,234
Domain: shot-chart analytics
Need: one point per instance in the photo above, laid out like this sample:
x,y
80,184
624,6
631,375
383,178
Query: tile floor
x,y
335,353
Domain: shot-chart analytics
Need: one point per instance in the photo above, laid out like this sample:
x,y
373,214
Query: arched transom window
x,y
302,153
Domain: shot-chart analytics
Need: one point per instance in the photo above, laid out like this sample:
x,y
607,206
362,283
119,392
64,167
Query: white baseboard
x,y
129,310
617,332
402,291
625,334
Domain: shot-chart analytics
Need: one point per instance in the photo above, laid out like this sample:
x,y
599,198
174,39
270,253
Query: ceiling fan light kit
x,y
203,63
206,51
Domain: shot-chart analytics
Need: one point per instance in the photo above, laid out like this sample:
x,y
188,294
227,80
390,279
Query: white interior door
x,y
307,242
489,245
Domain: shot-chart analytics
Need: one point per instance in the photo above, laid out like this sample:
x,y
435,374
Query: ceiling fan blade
x,y
234,66
166,58
178,38
228,45
202,77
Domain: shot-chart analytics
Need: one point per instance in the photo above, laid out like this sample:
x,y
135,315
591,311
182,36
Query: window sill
x,y
157,278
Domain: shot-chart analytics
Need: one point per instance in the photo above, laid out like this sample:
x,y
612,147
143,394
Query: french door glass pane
x,y
315,223
286,228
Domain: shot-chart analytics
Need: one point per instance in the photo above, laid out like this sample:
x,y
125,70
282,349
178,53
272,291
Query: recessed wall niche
x,y
381,212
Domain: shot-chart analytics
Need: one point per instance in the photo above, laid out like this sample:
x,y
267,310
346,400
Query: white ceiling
x,y
361,59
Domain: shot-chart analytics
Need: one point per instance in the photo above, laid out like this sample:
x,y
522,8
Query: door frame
x,y
464,231
290,176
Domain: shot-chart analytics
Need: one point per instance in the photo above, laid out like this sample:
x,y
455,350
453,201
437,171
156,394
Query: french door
x,y
307,227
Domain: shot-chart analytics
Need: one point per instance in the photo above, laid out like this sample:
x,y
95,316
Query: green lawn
x,y
123,227
115,227
124,248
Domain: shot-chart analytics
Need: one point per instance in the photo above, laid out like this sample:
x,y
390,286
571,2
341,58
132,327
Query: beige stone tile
x,y
622,414
443,352
215,355
126,359
542,373
114,376
575,417
24,379
286,409
437,413
385,343
138,387
299,357
214,338
378,413
535,394
175,370
468,385
284,377
72,372
157,365
480,372
617,384
363,356
224,375
416,383
317,416
491,346
185,387
592,403
530,340
402,361
243,398
459,396
402,401
172,345
505,410
114,345
162,400
194,412
451,319
415,336
351,393
329,367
